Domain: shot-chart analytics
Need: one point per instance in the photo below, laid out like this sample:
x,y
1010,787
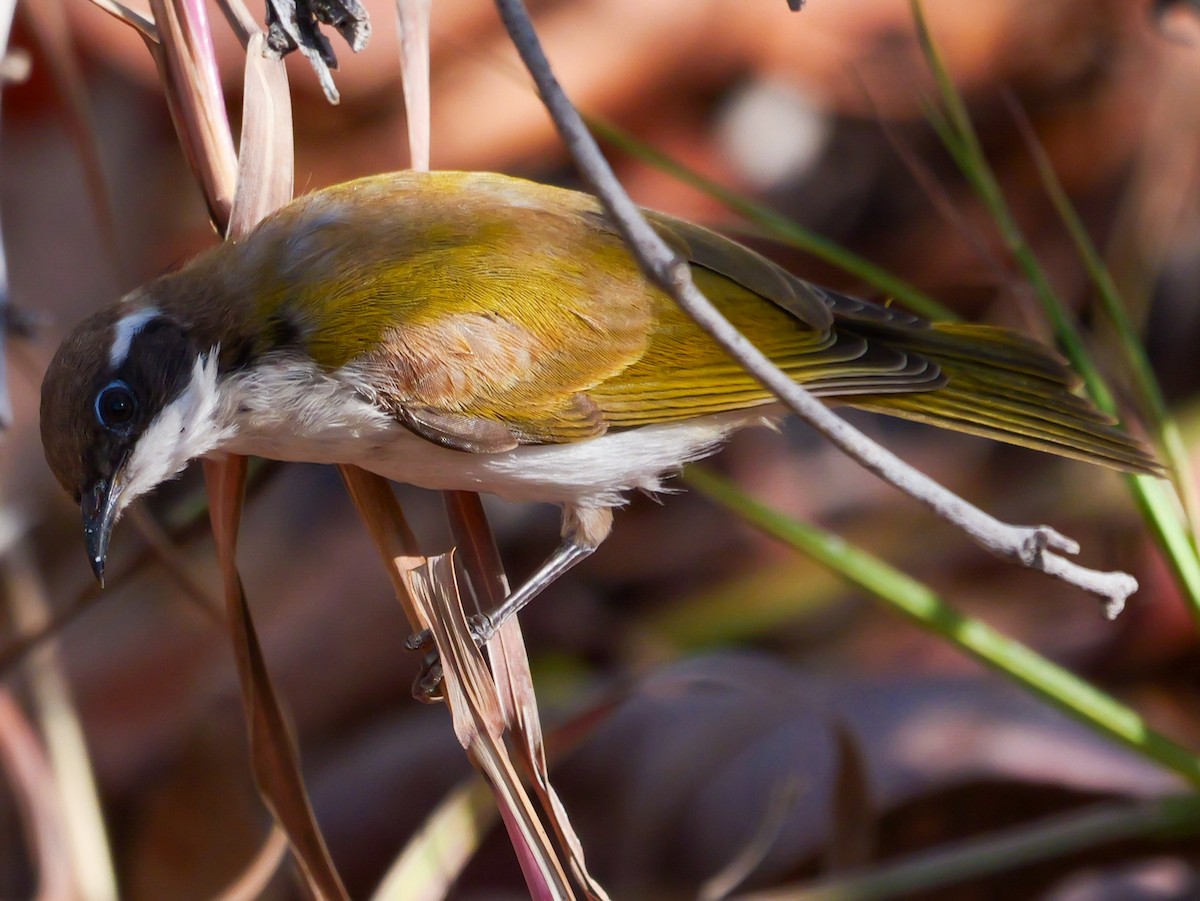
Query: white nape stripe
x,y
184,429
127,328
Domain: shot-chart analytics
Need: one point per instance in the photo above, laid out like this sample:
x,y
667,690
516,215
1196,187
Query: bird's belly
x,y
594,472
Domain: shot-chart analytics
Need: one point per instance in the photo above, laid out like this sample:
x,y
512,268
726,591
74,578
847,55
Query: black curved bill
x,y
99,504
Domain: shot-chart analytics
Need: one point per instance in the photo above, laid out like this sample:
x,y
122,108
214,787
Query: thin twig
x,y
142,24
1031,546
1054,684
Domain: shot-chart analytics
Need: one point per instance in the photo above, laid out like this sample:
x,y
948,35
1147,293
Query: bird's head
x,y
127,401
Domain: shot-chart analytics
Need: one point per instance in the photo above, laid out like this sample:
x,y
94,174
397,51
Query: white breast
x,y
290,411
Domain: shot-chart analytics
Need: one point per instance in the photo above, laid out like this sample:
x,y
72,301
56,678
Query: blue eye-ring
x,y
116,406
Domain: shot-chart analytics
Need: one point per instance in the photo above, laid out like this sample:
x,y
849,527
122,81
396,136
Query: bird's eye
x,y
115,406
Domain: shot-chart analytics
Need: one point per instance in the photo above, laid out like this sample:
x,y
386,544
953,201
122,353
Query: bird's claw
x,y
419,640
427,687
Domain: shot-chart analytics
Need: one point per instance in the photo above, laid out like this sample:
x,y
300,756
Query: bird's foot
x,y
427,687
484,625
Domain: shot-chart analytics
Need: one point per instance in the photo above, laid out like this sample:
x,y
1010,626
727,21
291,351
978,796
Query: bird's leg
x,y
564,557
584,528
427,686
484,625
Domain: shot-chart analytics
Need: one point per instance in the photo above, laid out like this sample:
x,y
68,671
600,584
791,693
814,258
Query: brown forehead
x,y
82,358
73,376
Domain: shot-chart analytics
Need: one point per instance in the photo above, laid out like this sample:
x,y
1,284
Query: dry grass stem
x,y
85,837
31,782
274,758
240,20
135,19
197,104
413,17
253,882
511,677
730,877
475,710
264,166
389,530
435,856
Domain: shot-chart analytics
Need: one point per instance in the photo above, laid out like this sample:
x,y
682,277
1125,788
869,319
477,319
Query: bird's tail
x,y
999,384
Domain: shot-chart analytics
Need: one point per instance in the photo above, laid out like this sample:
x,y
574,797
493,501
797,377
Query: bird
x,y
475,331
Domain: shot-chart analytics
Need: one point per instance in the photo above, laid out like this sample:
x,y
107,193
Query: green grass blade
x,y
1163,514
779,226
1149,395
1059,687
1159,506
968,153
1175,816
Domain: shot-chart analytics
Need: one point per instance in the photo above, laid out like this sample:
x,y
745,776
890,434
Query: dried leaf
x,y
265,163
476,713
510,673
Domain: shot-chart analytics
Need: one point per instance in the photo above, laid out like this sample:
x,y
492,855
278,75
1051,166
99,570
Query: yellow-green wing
x,y
683,373
468,299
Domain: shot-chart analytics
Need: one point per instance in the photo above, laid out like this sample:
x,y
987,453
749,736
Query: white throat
x,y
186,428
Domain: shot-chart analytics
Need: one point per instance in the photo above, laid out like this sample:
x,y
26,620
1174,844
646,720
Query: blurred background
x,y
692,673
